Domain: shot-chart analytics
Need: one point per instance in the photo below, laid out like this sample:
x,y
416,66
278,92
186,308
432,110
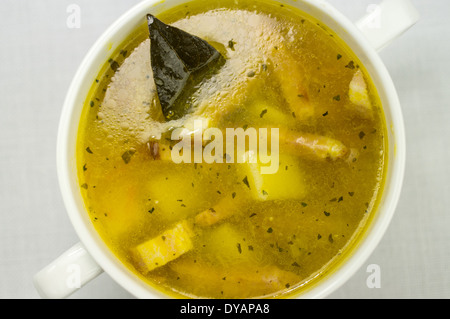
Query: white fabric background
x,y
39,56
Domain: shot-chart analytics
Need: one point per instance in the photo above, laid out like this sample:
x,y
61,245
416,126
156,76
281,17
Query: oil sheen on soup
x,y
223,229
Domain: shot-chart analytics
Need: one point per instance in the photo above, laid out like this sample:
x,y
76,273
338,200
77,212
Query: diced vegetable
x,y
227,245
315,146
286,183
162,249
262,112
173,190
225,208
359,94
290,75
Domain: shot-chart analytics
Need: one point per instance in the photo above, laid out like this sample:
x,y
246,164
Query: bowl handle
x,y
387,21
66,274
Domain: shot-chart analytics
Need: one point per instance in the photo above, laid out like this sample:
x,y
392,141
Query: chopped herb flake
x,y
127,156
114,65
231,44
361,135
350,65
245,180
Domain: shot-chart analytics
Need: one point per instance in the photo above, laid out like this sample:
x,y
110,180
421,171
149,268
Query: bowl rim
x,y
129,281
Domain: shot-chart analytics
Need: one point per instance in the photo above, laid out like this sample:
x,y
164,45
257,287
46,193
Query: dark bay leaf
x,y
180,61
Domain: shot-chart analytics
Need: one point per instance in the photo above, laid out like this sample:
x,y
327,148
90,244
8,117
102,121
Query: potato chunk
x,y
228,245
286,183
173,190
264,113
162,249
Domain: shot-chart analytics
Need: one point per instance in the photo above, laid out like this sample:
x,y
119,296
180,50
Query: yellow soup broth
x,y
222,230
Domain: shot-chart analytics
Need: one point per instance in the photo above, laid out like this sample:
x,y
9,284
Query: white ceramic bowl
x,y
91,256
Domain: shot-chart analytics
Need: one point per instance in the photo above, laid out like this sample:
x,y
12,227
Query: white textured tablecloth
x,y
39,56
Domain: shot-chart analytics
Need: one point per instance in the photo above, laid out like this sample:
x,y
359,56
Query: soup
x,y
223,228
